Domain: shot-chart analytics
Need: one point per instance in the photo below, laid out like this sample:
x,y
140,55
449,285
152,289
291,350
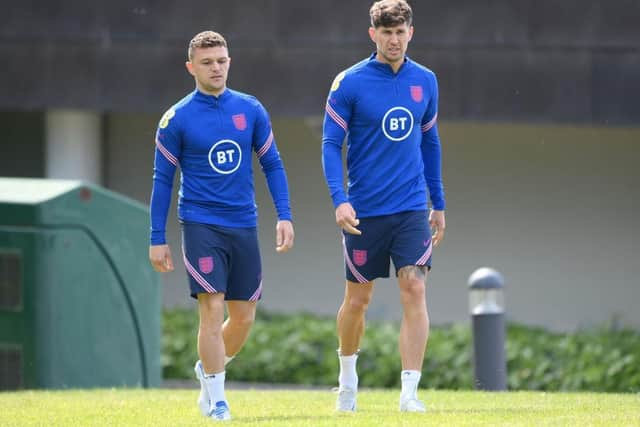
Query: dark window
x,y
10,281
10,368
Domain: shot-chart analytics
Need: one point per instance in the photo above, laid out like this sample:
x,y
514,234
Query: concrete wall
x,y
536,60
551,207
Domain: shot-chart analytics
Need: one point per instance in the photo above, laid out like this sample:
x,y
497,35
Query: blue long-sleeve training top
x,y
211,139
393,147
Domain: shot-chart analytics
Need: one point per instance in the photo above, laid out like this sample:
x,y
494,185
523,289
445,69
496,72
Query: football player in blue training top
x,y
210,134
387,105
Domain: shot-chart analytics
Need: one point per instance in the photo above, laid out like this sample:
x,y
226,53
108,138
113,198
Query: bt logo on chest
x,y
397,123
225,156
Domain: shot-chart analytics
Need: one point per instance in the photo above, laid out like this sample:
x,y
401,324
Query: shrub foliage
x,y
301,349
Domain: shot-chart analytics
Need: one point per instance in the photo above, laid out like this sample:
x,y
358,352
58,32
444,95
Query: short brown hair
x,y
389,13
205,39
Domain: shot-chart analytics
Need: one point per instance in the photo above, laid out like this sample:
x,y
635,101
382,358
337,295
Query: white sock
x,y
228,359
410,380
203,385
215,387
348,377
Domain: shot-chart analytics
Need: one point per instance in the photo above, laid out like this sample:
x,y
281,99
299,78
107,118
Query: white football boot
x,y
220,412
346,401
412,405
204,401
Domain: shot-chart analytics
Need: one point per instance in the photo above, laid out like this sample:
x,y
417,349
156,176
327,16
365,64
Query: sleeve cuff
x,y
158,238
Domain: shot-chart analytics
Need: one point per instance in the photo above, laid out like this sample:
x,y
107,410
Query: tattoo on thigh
x,y
413,272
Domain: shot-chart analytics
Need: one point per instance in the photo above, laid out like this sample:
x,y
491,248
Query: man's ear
x,y
189,66
372,32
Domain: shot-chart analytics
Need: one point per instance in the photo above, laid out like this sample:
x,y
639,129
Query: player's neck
x,y
213,92
395,66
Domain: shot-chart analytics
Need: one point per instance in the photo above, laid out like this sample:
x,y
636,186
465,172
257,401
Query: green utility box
x,y
79,302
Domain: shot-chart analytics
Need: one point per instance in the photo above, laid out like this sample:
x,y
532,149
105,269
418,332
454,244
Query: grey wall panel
x,y
72,77
571,23
539,60
531,200
129,147
469,23
317,25
50,20
531,85
616,88
18,85
51,76
618,24
546,23
144,22
580,24
149,79
520,85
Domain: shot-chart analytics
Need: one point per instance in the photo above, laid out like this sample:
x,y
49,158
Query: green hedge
x,y
301,349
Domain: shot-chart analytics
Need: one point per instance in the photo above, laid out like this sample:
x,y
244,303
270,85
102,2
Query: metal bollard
x,y
486,304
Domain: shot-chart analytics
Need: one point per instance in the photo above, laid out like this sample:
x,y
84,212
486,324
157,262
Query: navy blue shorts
x,y
404,238
222,259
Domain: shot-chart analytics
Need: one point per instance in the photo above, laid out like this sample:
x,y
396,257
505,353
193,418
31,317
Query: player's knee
x,y
244,319
210,302
211,312
413,290
358,303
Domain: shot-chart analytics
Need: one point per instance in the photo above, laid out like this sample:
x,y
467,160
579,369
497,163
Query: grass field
x,y
168,407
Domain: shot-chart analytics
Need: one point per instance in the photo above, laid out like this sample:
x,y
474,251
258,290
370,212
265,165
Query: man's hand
x,y
346,218
284,236
160,257
437,224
